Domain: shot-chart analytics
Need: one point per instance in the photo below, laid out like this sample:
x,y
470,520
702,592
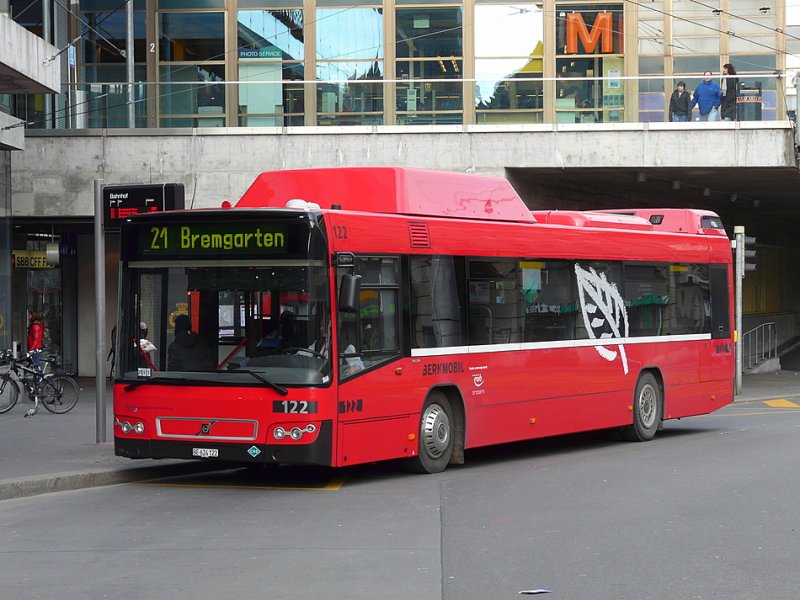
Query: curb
x,y
59,482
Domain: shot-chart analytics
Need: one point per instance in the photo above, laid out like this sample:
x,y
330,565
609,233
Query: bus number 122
x,y
295,407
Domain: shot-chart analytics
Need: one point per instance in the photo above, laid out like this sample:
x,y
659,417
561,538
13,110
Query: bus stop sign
x,y
121,201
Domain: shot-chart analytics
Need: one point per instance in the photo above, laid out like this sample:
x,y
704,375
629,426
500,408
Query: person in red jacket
x,y
35,337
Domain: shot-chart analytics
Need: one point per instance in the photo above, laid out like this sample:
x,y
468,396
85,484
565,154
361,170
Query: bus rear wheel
x,y
648,407
435,437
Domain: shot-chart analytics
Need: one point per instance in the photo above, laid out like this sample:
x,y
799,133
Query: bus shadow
x,y
317,478
502,455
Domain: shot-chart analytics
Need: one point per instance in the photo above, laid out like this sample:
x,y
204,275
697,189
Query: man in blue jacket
x,y
708,96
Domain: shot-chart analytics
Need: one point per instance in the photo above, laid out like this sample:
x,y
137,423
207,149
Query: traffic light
x,y
745,254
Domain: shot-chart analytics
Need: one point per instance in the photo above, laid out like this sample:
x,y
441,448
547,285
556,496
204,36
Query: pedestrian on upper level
x,y
680,104
729,88
707,97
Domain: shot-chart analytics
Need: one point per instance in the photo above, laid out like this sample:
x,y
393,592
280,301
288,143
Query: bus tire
x,y
648,407
435,437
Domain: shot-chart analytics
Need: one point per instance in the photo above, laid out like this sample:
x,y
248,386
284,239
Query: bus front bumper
x,y
317,452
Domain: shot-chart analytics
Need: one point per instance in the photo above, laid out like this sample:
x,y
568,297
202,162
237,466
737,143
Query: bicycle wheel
x,y
59,394
9,393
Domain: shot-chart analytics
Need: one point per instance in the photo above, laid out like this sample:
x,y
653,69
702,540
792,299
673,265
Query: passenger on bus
x,y
188,352
283,336
349,361
320,345
146,346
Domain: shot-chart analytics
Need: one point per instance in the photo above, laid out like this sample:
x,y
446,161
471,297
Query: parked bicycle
x,y
47,387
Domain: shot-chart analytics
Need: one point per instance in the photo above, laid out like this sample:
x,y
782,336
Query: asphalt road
x,y
707,510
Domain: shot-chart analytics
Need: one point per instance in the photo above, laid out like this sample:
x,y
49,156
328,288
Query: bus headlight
x,y
294,432
126,427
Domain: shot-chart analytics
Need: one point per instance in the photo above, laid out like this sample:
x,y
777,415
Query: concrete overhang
x,y
750,169
12,134
25,67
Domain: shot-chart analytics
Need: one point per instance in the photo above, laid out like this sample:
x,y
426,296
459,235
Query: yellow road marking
x,y
765,411
781,403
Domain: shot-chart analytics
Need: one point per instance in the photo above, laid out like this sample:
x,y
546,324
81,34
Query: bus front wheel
x,y
435,436
648,407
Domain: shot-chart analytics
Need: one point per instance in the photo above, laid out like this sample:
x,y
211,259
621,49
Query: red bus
x,y
343,316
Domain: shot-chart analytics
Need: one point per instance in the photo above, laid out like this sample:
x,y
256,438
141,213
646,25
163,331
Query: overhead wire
x,y
729,33
716,10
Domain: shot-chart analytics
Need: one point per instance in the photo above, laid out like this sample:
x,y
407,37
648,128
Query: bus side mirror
x,y
349,292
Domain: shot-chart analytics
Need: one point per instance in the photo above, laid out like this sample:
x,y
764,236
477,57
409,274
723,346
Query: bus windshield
x,y
213,317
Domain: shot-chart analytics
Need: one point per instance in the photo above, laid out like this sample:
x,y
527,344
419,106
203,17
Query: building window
x,y
270,52
430,64
192,72
589,63
350,66
102,102
509,58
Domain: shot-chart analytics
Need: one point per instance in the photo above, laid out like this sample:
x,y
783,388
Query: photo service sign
x,y
122,201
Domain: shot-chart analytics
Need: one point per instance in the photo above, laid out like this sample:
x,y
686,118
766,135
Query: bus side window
x,y
496,301
437,319
370,336
720,313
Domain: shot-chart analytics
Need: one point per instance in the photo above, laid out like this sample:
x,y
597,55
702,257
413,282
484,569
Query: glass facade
x,y
280,63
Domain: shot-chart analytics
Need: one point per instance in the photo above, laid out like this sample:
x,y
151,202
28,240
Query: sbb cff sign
x,y
122,201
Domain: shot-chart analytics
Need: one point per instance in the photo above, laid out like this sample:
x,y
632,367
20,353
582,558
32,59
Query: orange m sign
x,y
602,31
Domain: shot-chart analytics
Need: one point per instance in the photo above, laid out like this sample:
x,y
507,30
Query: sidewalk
x,y
48,453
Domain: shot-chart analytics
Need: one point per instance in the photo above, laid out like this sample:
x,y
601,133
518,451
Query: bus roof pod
x,y
391,190
577,218
676,220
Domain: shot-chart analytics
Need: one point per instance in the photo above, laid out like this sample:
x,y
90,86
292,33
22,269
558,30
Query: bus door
x,y
374,397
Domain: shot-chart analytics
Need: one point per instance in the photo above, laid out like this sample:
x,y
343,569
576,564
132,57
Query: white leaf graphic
x,y
603,310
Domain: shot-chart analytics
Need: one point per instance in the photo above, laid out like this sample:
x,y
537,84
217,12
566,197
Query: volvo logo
x,y
205,428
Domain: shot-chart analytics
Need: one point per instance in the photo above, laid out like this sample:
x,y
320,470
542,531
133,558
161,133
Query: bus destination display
x,y
217,240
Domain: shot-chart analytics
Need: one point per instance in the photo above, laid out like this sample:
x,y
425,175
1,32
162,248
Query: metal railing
x,y
759,344
497,100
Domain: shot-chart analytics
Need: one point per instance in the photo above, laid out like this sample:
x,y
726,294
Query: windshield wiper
x,y
281,390
161,379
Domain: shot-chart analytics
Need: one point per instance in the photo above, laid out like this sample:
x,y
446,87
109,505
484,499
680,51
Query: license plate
x,y
205,452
